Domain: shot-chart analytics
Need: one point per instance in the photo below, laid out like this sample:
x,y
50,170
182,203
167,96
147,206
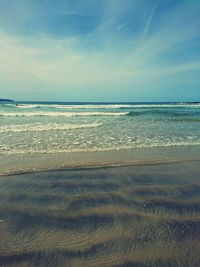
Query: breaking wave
x,y
103,106
98,149
60,114
45,127
59,106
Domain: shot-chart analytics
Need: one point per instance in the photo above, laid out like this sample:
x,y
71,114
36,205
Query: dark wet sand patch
x,y
125,216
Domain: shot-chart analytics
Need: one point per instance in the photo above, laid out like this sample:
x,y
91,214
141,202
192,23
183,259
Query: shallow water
x,y
33,128
123,216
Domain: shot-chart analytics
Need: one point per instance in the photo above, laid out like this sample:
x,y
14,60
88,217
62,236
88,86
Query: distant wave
x,y
108,106
25,106
61,114
181,105
104,106
167,112
45,127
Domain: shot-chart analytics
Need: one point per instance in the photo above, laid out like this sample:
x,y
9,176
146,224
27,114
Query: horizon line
x,y
97,102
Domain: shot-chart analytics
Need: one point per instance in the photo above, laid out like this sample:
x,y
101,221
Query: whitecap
x,y
60,114
45,127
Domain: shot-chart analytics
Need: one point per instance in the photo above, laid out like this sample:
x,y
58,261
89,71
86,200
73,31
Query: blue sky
x,y
100,50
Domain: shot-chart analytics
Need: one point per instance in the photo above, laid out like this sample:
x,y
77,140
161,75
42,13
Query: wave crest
x,y
46,127
99,149
60,114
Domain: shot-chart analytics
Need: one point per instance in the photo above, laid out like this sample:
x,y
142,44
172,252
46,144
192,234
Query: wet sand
x,y
147,215
18,163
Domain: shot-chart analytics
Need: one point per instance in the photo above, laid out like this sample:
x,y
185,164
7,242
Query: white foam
x,y
60,114
108,106
96,149
45,127
29,106
167,105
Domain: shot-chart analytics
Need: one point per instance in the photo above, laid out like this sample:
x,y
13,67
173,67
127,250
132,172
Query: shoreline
x,y
33,163
99,167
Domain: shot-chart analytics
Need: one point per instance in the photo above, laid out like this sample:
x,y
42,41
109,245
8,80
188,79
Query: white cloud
x,y
136,62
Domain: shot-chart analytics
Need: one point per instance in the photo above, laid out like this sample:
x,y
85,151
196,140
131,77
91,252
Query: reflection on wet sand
x,y
123,216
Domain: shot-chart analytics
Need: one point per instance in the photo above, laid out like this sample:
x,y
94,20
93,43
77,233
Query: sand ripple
x,y
126,216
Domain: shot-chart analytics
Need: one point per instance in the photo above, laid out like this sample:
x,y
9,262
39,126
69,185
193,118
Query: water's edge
x,y
30,163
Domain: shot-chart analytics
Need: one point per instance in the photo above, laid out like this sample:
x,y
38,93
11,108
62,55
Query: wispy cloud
x,y
146,29
133,50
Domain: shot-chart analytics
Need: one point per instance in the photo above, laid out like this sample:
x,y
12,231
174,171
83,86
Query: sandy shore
x,y
146,215
20,163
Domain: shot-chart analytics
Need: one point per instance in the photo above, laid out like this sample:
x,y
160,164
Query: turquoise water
x,y
37,127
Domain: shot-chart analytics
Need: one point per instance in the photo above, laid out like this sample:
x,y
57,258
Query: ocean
x,y
43,127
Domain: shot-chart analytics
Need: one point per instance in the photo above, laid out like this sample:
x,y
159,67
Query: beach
x,y
100,184
146,215
100,133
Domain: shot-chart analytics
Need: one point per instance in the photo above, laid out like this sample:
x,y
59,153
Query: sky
x,y
100,50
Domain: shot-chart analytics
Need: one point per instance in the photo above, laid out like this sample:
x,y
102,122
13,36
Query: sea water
x,y
42,127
